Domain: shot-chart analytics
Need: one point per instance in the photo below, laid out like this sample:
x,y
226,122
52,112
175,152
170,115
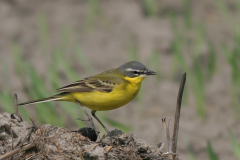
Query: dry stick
x,y
166,127
177,115
35,126
16,113
33,122
28,146
30,132
16,105
11,153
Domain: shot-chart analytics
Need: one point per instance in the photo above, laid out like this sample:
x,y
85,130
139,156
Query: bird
x,y
108,90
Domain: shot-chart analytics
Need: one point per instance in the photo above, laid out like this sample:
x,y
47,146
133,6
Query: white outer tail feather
x,y
41,101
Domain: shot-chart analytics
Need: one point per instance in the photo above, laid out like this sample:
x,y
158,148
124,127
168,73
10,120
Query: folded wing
x,y
88,85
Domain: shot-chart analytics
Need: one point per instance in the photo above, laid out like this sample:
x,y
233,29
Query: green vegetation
x,y
211,154
186,46
150,7
235,145
93,14
232,54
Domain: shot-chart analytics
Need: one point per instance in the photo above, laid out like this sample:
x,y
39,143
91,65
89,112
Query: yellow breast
x,y
119,96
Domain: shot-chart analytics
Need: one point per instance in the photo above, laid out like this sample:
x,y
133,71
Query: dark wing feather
x,y
87,85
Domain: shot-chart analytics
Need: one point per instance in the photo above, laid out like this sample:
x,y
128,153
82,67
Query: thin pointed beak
x,y
151,72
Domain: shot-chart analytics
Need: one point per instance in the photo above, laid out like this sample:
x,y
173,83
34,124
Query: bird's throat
x,y
135,80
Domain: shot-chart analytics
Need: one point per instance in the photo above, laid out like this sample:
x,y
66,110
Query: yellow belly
x,y
99,101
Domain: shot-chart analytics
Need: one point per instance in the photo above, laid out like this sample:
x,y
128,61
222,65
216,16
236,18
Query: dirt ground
x,y
105,45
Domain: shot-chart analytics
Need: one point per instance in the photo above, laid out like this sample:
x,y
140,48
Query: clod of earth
x,y
52,142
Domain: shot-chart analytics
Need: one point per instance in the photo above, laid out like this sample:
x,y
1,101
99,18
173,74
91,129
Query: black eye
x,y
135,72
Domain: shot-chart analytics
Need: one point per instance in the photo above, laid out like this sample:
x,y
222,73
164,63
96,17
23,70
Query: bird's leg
x,y
94,115
89,118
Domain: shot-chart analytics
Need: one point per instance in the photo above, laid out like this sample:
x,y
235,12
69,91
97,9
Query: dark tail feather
x,y
53,98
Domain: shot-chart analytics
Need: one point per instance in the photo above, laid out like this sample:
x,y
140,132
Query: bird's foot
x,y
82,119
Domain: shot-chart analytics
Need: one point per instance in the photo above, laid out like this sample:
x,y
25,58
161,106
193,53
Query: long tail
x,y
57,97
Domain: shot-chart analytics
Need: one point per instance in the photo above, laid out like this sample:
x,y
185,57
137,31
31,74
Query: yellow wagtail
x,y
105,91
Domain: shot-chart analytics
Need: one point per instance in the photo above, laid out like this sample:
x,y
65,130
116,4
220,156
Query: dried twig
x,y
166,127
177,115
16,105
34,123
160,146
27,137
32,129
15,151
16,115
21,148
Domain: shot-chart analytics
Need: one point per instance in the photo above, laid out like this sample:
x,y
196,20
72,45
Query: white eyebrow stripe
x,y
140,71
129,69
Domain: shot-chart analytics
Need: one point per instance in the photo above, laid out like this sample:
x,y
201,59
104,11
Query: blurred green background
x,y
45,45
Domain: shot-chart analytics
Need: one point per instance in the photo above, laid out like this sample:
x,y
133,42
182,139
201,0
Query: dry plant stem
x,y
16,105
177,115
30,132
33,122
161,145
12,153
166,127
27,137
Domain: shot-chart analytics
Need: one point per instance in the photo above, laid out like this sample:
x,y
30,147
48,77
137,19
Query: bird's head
x,y
135,71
